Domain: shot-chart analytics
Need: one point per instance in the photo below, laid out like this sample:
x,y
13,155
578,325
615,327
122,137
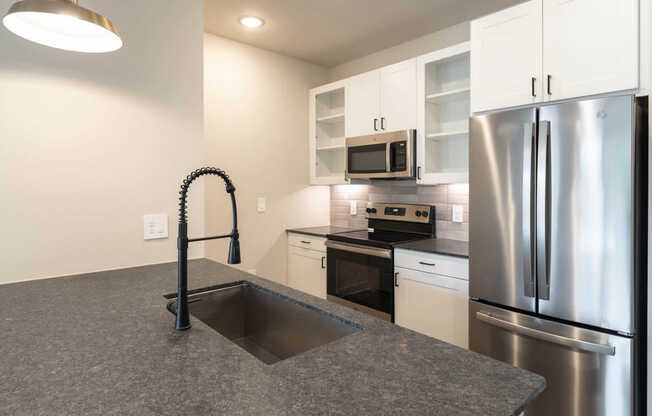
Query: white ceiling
x,y
331,32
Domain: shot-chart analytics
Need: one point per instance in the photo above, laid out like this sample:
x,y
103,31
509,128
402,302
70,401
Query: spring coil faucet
x,y
182,312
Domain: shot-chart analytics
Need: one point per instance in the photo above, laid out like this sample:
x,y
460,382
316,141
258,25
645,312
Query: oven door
x,y
361,277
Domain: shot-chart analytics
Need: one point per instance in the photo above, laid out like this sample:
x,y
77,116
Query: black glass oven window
x,y
368,159
365,280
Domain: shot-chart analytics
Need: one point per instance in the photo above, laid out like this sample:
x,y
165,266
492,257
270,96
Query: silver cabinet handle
x,y
382,123
549,86
396,279
322,262
375,124
352,248
528,172
543,211
427,264
546,336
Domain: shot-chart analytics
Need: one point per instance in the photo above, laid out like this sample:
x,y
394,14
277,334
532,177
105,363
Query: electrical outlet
x,y
156,226
353,207
261,204
458,213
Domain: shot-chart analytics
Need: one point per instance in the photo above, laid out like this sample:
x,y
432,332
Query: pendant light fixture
x,y
62,24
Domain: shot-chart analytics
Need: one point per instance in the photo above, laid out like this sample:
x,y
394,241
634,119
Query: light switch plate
x,y
156,226
353,207
458,213
261,204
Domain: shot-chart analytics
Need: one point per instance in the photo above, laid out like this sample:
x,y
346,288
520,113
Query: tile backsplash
x,y
443,197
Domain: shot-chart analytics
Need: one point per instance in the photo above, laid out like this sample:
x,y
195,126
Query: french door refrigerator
x,y
558,227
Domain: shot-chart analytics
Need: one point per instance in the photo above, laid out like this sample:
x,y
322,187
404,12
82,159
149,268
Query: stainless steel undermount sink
x,y
268,325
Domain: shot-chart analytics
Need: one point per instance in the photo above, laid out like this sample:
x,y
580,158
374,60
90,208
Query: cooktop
x,y
380,238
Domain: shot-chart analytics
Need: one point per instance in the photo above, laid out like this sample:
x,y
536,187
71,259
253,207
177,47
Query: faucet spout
x,y
182,311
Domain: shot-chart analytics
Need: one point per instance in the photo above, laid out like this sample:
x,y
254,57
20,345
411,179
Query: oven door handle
x,y
354,248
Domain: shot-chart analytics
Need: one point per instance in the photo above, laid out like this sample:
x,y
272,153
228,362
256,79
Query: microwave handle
x,y
388,156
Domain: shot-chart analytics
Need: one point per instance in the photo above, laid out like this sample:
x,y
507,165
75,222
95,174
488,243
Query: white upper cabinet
x,y
549,50
382,100
589,47
506,58
327,130
398,96
363,109
443,116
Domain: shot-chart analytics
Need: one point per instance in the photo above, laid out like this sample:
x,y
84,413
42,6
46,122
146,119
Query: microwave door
x,y
367,159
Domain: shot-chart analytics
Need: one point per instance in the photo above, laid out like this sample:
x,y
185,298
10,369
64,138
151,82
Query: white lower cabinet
x,y
432,304
307,266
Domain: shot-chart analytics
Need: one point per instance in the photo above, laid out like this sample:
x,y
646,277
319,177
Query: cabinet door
x,y
589,47
398,96
506,58
433,305
363,104
307,271
326,134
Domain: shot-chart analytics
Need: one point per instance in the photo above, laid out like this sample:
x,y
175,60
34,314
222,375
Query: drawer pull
x,y
306,242
427,264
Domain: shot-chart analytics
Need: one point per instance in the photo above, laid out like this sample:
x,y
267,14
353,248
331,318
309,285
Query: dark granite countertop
x,y
322,231
104,344
439,246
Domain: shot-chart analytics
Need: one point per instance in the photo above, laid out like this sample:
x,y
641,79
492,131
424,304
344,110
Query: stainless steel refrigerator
x,y
558,226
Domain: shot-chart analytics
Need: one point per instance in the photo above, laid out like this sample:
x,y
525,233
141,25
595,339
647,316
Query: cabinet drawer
x,y
432,263
307,241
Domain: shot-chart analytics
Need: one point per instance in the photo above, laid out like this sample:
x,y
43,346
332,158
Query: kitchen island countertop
x,y
104,344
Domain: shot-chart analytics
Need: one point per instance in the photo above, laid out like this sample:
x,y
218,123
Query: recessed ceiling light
x,y
62,24
251,22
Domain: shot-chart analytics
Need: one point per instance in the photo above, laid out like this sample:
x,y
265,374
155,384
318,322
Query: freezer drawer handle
x,y
546,336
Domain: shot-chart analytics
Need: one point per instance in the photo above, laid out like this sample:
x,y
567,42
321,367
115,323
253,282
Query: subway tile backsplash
x,y
443,197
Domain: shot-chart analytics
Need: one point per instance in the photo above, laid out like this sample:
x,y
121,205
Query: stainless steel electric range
x,y
361,263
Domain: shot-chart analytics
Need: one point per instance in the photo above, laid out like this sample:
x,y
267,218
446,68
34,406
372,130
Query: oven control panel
x,y
401,212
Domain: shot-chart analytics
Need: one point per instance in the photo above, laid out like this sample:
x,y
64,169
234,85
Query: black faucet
x,y
182,313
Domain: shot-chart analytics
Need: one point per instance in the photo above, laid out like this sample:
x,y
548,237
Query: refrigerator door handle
x,y
543,211
528,248
546,336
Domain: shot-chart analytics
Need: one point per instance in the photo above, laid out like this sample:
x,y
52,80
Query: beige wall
x,y
256,120
425,44
91,143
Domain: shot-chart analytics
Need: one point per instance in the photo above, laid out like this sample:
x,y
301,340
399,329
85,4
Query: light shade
x,y
251,22
62,24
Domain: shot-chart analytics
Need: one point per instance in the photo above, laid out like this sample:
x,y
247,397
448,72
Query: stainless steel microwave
x,y
382,156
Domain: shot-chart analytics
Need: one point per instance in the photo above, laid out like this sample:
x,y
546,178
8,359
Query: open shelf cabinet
x,y
327,127
443,115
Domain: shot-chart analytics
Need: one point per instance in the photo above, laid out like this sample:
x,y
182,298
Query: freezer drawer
x,y
588,373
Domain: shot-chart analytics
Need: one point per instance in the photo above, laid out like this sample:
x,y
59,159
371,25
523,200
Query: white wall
x,y
413,48
91,143
256,120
